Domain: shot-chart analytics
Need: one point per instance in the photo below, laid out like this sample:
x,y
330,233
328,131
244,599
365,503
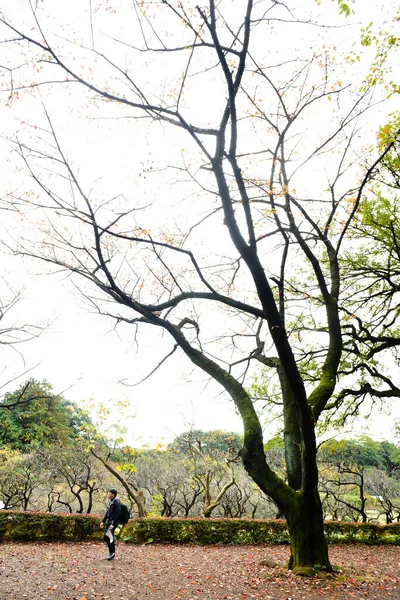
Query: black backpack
x,y
125,514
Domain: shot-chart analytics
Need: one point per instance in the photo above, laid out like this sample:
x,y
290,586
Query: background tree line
x,y
52,458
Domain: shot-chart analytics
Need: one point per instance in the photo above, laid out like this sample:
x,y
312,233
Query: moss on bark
x,y
308,545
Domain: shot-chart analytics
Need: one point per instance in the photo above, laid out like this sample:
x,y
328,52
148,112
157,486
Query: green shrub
x,y
363,533
247,531
29,526
206,531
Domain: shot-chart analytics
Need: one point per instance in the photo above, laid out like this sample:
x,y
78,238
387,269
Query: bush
x,y
206,531
364,533
29,526
246,531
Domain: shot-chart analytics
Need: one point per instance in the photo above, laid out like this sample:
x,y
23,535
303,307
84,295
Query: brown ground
x,y
52,571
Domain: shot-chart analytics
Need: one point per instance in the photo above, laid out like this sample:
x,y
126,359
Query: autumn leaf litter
x,y
53,571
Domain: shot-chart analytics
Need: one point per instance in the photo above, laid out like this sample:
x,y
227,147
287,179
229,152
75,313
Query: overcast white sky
x,y
79,351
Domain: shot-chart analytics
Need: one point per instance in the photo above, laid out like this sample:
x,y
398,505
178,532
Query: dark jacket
x,y
113,513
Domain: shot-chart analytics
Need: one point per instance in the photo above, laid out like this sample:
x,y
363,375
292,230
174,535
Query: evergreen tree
x,y
38,417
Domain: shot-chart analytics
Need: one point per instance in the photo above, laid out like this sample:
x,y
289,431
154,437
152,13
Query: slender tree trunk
x,y
363,498
140,503
90,501
136,495
80,501
208,504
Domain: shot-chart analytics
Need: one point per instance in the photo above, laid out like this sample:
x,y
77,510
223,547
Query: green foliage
x,y
364,452
362,533
30,526
212,443
390,455
385,42
38,418
206,531
344,8
246,531
379,221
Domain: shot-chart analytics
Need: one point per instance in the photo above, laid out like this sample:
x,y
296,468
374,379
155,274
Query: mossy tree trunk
x,y
308,546
301,507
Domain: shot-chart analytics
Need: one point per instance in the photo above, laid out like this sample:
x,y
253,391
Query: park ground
x,y
71,571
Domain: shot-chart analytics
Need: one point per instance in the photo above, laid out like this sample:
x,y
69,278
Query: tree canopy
x,y
38,417
363,452
215,442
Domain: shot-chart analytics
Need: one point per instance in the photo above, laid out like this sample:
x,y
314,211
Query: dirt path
x,y
44,571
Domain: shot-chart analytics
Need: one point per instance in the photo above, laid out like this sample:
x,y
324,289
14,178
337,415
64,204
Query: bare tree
x,y
169,482
213,478
77,470
134,494
213,270
12,335
343,490
386,492
20,476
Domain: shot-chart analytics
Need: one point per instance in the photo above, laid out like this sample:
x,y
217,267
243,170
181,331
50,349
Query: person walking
x,y
111,521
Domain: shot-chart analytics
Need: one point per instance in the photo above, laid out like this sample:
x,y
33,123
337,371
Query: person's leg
x,y
110,544
111,547
107,540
